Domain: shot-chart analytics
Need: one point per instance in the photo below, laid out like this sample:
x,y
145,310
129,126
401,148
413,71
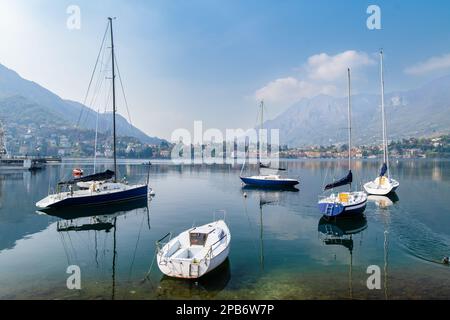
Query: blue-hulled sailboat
x,y
269,180
344,203
267,177
100,188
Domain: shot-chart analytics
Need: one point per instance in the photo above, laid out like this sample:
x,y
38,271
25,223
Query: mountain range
x,y
23,100
322,120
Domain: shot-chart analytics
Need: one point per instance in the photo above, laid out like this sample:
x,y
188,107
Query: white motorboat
x,y
195,252
383,184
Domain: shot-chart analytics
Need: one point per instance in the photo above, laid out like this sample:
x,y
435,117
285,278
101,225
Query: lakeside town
x,y
412,148
61,144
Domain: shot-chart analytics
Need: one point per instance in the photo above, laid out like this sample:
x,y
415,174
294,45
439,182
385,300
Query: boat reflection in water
x,y
107,211
269,190
206,287
265,196
97,219
341,232
384,202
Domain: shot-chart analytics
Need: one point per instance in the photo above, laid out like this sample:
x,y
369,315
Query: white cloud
x,y
432,64
288,90
329,68
322,74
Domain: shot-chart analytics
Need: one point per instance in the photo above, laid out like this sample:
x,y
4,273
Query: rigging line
x,y
386,248
64,247
251,227
96,141
123,91
99,84
102,75
148,218
147,275
113,295
108,125
96,249
108,97
135,248
73,248
93,73
87,243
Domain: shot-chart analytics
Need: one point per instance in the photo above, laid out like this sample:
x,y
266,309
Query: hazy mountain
x,y
322,120
41,104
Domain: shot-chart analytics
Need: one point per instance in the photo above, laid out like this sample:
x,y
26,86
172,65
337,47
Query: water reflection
x,y
340,232
277,239
265,196
206,287
97,219
384,202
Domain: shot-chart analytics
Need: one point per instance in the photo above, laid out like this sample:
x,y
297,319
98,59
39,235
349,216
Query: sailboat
x,y
267,176
344,203
100,188
383,184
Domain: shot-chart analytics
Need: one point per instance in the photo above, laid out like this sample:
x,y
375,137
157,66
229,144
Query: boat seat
x,y
343,197
201,254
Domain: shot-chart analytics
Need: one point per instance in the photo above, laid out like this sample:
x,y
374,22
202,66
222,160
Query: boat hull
x,y
99,199
181,270
175,258
339,209
275,183
375,188
343,211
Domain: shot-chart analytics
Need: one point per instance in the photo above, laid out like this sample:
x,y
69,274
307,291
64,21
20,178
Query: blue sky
x,y
212,60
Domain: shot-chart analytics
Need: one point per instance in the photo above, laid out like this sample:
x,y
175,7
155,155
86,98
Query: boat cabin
x,y
197,238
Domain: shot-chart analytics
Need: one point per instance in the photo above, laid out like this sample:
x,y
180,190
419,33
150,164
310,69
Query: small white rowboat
x,y
195,252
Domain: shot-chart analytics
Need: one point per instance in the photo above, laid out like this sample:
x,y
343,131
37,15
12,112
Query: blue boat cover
x,y
106,175
344,181
383,169
262,166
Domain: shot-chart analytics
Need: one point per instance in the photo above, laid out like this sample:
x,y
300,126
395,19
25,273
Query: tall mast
x,y
95,144
349,124
113,97
261,131
383,115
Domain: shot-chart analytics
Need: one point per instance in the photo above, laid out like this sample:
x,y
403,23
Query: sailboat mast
x,y
383,114
349,124
261,130
95,144
113,97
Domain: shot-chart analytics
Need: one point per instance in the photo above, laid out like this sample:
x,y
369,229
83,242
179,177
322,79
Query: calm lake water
x,y
280,247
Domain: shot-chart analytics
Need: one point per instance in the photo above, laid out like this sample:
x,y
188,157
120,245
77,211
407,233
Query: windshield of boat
x,y
198,239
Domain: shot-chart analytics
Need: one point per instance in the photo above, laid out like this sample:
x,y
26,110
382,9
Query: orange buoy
x,y
77,172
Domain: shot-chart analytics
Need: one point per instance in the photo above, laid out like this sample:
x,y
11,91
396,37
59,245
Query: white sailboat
x,y
101,188
195,252
383,184
344,203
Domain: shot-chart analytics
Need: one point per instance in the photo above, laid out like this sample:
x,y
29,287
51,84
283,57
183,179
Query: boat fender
x,y
245,194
